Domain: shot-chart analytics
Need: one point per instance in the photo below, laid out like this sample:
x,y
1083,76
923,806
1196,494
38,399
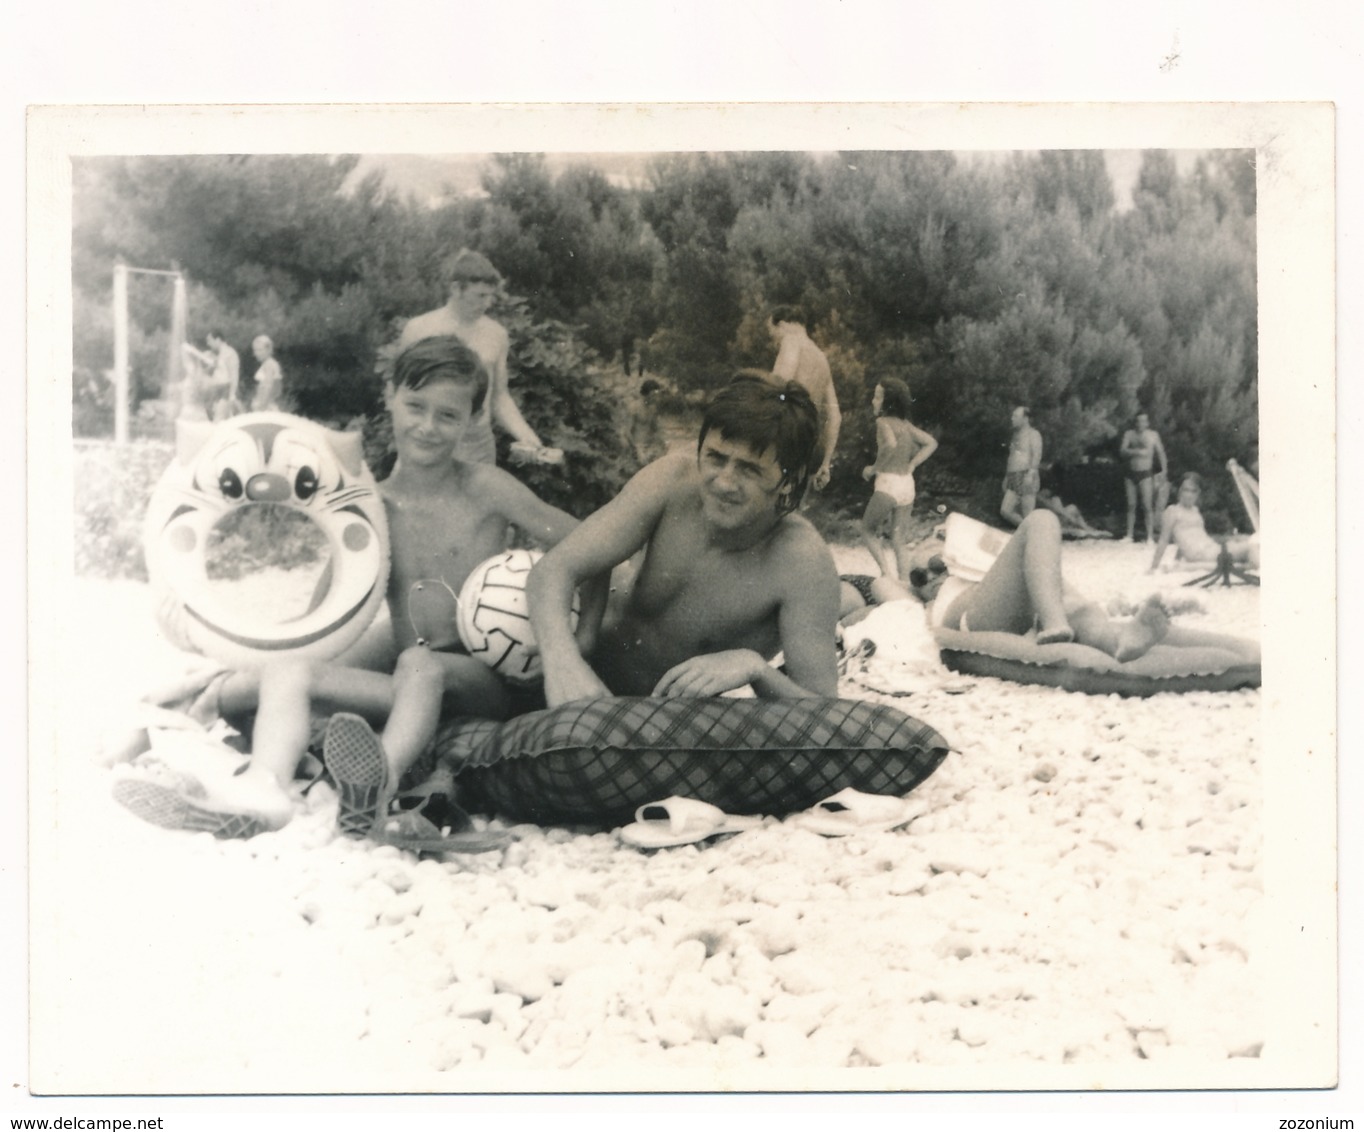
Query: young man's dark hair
x,y
766,415
443,358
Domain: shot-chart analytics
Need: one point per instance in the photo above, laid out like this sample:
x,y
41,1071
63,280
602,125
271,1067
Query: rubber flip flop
x,y
411,831
162,805
682,821
850,811
357,765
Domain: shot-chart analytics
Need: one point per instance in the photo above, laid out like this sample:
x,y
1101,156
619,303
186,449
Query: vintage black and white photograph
x,y
778,599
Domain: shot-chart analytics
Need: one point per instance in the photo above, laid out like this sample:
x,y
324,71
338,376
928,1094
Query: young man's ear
x,y
389,392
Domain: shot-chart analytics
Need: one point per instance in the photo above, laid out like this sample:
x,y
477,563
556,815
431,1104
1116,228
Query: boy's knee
x,y
417,665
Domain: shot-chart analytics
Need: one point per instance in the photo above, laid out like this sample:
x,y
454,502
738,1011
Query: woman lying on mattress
x,y
1023,591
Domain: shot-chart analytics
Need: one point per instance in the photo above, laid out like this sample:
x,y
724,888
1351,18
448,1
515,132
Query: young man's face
x,y
473,300
428,422
261,350
738,485
1019,419
1143,422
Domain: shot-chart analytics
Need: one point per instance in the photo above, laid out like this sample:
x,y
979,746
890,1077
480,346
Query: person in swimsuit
x,y
1140,446
474,283
445,517
900,448
1023,593
1182,524
1022,476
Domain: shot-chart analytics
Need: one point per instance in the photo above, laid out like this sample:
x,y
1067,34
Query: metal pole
x,y
120,353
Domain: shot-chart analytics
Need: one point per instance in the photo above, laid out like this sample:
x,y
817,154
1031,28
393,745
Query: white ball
x,y
494,616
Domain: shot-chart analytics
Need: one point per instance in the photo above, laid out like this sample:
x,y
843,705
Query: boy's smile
x,y
429,422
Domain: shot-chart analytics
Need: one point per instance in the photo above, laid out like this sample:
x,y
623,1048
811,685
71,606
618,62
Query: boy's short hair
x,y
442,358
767,414
466,267
895,397
789,312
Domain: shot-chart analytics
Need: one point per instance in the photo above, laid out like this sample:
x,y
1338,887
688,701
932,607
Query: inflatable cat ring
x,y
266,458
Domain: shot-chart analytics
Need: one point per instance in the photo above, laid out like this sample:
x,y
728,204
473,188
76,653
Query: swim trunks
x,y
1136,478
951,589
899,487
1026,482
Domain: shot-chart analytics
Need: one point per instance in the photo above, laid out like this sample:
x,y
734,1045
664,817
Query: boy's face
x,y
428,422
738,485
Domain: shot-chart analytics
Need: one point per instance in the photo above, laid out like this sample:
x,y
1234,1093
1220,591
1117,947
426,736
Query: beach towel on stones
x,y
1190,660
594,762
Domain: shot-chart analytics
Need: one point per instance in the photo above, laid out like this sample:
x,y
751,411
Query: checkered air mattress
x,y
594,762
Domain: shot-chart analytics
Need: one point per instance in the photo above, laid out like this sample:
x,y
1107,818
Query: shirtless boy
x,y
800,360
473,283
729,576
445,516
1022,477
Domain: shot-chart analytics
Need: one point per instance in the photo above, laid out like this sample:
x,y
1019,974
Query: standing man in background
x,y
1022,477
473,282
800,360
269,377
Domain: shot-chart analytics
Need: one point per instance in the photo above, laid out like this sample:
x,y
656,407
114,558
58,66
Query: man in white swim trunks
x,y
1022,477
800,360
474,283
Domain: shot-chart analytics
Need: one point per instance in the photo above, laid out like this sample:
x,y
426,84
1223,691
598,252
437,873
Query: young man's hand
x,y
711,674
572,679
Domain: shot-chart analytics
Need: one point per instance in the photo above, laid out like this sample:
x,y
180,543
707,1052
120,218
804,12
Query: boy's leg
x,y
1024,583
283,695
873,520
424,684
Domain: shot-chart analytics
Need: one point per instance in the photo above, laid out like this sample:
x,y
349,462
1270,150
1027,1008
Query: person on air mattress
x,y
730,574
1023,592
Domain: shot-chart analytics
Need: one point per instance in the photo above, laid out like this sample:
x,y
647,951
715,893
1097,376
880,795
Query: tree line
x,y
983,283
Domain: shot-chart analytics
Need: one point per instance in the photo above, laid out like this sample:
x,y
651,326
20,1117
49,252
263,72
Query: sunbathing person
x,y
1072,522
1182,524
1024,593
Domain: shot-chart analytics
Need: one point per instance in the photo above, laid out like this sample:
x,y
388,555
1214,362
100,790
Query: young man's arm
x,y
807,617
1035,459
547,526
833,419
600,542
504,409
1160,450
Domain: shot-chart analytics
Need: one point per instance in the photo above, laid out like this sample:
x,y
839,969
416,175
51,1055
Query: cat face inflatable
x,y
254,459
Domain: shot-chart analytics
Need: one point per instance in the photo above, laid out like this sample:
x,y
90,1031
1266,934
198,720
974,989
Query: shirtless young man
x,y
1022,477
800,360
729,576
473,283
1140,446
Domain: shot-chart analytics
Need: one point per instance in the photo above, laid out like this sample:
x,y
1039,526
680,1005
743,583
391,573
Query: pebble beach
x,y
1083,893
